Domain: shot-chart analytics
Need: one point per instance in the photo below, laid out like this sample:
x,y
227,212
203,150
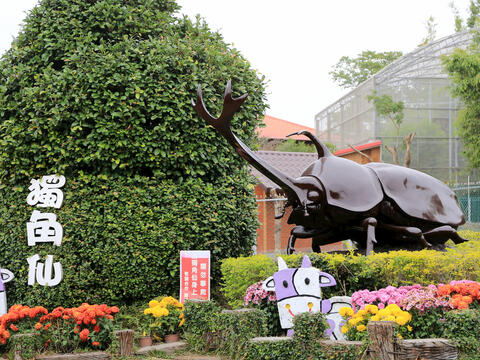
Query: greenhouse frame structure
x,y
417,79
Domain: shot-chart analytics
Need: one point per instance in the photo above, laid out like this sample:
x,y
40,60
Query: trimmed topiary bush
x,y
99,91
104,87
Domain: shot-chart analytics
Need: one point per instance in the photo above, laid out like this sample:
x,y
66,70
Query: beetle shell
x,y
419,195
348,185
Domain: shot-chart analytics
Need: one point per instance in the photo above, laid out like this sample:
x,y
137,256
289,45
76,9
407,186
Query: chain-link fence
x,y
469,199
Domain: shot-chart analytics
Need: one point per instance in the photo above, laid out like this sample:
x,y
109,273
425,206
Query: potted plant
x,y
167,313
144,325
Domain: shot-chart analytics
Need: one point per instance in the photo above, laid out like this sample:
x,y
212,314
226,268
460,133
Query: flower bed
x,y
61,330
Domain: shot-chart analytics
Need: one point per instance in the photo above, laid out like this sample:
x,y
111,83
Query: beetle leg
x,y
317,235
409,231
443,233
291,244
369,224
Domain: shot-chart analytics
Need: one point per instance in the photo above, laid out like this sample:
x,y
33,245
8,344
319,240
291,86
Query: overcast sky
x,y
296,46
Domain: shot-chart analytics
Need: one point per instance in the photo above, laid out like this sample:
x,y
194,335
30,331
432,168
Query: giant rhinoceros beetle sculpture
x,y
337,199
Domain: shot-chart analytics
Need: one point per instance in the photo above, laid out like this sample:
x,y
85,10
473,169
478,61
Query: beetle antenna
x,y
322,150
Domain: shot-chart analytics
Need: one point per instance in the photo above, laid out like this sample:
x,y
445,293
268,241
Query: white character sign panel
x,y
46,192
5,276
298,290
42,272
44,228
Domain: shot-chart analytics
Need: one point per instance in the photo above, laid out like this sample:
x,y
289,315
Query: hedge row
x,y
207,328
355,272
122,237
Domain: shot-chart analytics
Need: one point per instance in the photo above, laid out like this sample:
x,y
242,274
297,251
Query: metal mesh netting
x,y
469,199
418,80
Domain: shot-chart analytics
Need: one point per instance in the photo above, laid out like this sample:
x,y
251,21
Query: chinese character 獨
x,y
43,227
46,192
42,272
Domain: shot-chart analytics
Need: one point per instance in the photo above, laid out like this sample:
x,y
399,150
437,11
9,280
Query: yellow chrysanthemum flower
x,y
361,327
389,318
401,320
361,313
344,329
409,328
153,303
372,309
345,311
353,321
383,313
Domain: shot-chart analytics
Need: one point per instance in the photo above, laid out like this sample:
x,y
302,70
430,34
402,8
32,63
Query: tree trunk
x,y
361,153
381,339
393,151
125,338
408,142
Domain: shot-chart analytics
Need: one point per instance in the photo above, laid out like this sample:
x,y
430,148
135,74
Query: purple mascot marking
x,y
5,276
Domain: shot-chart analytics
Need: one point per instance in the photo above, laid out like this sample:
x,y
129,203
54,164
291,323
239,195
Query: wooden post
x,y
125,337
382,342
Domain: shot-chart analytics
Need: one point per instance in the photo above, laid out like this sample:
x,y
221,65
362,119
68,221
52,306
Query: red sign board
x,y
194,275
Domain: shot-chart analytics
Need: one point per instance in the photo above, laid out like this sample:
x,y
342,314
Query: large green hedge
x,y
99,91
122,238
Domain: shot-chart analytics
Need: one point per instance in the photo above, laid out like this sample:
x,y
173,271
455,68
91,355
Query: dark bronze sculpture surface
x,y
337,199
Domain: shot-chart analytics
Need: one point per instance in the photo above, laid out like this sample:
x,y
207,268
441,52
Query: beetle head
x,y
314,197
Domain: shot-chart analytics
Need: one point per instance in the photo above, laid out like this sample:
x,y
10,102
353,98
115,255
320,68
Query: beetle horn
x,y
222,125
322,150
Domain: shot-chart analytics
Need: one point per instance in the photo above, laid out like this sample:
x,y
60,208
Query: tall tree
x,y
431,27
472,20
459,25
392,110
350,72
463,67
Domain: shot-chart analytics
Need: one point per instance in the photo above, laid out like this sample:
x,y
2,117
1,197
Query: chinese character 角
x,y
43,227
